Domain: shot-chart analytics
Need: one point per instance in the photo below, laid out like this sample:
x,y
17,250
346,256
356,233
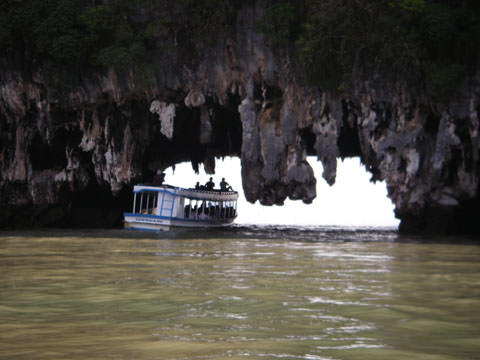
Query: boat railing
x,y
207,194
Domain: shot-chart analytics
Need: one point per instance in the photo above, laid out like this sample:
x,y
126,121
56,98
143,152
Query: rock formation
x,y
70,158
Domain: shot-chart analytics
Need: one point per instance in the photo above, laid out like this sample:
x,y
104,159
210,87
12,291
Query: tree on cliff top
x,y
336,41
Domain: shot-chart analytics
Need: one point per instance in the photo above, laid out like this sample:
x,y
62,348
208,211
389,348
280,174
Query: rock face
x,y
70,159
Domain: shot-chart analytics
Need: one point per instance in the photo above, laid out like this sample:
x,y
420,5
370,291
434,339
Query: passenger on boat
x,y
224,186
199,187
158,178
210,184
203,212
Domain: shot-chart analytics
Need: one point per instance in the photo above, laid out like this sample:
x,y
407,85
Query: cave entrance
x,y
352,201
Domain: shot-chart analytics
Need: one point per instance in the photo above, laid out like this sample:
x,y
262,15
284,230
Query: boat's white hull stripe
x,y
152,222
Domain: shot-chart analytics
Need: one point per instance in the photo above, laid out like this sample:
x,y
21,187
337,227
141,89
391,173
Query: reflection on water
x,y
243,293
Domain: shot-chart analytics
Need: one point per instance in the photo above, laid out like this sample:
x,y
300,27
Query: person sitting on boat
x,y
199,187
224,186
158,178
210,184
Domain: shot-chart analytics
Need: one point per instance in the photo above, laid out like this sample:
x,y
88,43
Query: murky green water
x,y
241,294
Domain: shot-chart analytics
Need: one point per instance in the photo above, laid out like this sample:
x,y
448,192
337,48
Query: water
x,y
243,293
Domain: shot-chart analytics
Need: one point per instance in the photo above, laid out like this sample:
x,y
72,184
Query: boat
x,y
165,207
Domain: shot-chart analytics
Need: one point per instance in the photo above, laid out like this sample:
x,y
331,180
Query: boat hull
x,y
160,223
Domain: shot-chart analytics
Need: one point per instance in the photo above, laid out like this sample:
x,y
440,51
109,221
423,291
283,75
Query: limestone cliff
x,y
70,158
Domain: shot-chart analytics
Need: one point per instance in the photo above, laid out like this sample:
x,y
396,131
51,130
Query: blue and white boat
x,y
165,207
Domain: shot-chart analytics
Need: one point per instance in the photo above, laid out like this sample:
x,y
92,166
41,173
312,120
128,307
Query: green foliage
x,y
205,19
410,5
434,41
280,22
71,36
5,30
57,36
443,79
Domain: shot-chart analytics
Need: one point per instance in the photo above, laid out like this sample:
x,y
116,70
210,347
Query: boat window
x,y
188,208
211,208
229,209
155,201
145,202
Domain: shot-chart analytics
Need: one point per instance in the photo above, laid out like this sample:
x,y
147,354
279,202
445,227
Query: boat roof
x,y
213,195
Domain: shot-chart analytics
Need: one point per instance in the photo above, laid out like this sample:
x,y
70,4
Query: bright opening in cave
x,y
352,201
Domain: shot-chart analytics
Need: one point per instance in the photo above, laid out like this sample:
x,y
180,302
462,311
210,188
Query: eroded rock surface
x,y
71,158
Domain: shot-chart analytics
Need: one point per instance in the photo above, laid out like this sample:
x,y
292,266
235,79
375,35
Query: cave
x,y
71,151
352,201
